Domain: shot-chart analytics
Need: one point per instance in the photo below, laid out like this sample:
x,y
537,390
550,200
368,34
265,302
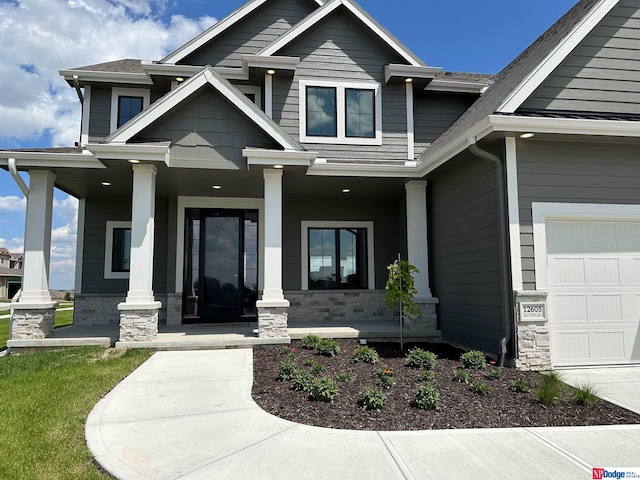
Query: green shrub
x,y
328,347
288,351
365,354
385,378
372,399
314,365
473,360
427,376
427,396
551,388
344,377
286,370
520,386
419,358
310,342
301,381
461,375
480,388
585,393
493,374
324,390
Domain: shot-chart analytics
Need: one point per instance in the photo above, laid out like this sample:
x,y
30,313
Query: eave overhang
x,y
144,152
259,156
50,160
452,86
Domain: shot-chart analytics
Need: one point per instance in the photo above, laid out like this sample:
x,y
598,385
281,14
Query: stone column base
x,y
138,325
428,318
534,348
32,323
273,322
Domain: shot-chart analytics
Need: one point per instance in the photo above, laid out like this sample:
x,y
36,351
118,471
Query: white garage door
x,y
593,270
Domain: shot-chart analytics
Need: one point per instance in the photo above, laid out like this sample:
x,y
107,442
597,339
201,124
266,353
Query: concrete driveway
x,y
619,385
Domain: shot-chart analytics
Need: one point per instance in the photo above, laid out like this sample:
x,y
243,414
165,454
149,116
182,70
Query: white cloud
x,y
14,245
13,204
39,37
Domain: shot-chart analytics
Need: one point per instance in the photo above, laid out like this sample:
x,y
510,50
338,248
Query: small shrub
x,y
310,342
314,365
427,376
324,390
427,396
585,393
520,386
288,351
372,399
365,354
551,388
473,360
493,374
302,381
419,358
286,370
344,377
480,388
461,375
328,347
385,378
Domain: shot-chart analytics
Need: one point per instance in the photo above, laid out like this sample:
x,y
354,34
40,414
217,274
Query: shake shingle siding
x,y
464,252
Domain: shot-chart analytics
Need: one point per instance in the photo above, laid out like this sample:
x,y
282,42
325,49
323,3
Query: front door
x,y
221,257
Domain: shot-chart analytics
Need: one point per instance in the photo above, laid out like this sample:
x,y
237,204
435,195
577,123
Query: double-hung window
x,y
340,112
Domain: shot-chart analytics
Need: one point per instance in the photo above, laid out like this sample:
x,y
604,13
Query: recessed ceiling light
x,y
346,190
216,187
527,135
408,80
106,184
133,160
179,79
271,72
278,166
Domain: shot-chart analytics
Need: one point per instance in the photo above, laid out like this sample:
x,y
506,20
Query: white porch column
x,y
272,308
34,313
139,313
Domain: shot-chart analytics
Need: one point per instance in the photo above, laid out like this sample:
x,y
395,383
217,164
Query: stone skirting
x,y
138,325
32,324
428,318
534,348
102,309
272,322
338,305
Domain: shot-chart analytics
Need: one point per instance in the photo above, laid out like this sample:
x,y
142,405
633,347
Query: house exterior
x,y
272,167
10,273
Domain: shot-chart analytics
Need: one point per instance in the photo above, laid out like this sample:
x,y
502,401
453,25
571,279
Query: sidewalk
x,y
189,415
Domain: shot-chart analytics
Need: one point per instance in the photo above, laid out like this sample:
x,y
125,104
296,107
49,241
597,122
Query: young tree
x,y
400,293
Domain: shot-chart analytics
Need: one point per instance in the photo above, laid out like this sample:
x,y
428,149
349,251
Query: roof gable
x,y
207,77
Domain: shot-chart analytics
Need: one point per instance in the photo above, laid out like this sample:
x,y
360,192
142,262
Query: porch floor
x,y
214,336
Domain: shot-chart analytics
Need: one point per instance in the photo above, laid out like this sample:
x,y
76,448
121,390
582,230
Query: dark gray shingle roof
x,y
127,65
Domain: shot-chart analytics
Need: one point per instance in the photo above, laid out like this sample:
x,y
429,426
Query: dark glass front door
x,y
221,265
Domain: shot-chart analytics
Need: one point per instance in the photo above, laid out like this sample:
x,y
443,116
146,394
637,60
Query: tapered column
x,y
272,307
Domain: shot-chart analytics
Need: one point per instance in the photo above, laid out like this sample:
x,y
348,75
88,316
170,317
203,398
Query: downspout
x,y
504,242
76,85
16,176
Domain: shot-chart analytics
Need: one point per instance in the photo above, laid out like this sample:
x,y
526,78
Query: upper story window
x,y
340,112
126,103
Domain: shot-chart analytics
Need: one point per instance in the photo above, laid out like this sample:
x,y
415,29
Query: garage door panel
x,y
634,271
604,308
603,271
566,271
569,308
597,237
563,237
608,346
570,346
628,236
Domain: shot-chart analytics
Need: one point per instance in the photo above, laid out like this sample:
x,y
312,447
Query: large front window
x,y
337,258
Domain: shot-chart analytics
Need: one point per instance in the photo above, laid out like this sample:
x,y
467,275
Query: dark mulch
x,y
459,407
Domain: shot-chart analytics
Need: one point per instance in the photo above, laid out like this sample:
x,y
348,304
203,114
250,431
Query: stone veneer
x,y
32,324
272,322
138,325
341,306
102,309
532,331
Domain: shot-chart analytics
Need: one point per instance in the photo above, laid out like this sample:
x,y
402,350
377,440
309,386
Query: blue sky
x,y
38,109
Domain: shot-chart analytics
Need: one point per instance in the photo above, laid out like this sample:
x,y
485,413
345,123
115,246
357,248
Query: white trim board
x,y
86,111
511,167
304,238
543,211
80,245
116,93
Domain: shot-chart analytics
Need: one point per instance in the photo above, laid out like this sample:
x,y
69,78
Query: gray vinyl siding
x,y
338,49
208,132
563,172
252,34
100,113
603,73
464,252
433,114
385,214
98,212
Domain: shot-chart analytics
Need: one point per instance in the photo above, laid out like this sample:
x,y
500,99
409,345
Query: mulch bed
x,y
459,407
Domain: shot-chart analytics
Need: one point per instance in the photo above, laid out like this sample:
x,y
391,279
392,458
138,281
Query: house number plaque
x,y
532,312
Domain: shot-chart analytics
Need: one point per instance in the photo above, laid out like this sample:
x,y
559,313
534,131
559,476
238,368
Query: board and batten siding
x,y
98,211
100,114
208,132
602,74
571,172
249,36
339,49
464,252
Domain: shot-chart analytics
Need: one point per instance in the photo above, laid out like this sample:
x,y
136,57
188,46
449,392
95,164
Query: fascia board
x,y
565,126
361,170
52,160
394,70
557,55
109,77
153,152
170,69
456,87
276,62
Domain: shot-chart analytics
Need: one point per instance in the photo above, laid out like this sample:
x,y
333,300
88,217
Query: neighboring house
x,y
274,166
10,273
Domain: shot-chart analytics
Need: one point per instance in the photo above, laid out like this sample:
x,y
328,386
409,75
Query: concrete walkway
x,y
189,415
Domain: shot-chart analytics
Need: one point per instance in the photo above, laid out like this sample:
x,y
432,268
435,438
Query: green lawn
x,y
63,319
45,398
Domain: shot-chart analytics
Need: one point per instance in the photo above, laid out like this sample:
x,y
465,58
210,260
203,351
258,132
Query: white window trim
x,y
127,92
86,113
306,224
252,89
341,137
108,250
570,211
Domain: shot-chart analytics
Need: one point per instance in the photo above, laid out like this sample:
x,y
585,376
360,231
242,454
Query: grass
x,y
64,318
45,398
